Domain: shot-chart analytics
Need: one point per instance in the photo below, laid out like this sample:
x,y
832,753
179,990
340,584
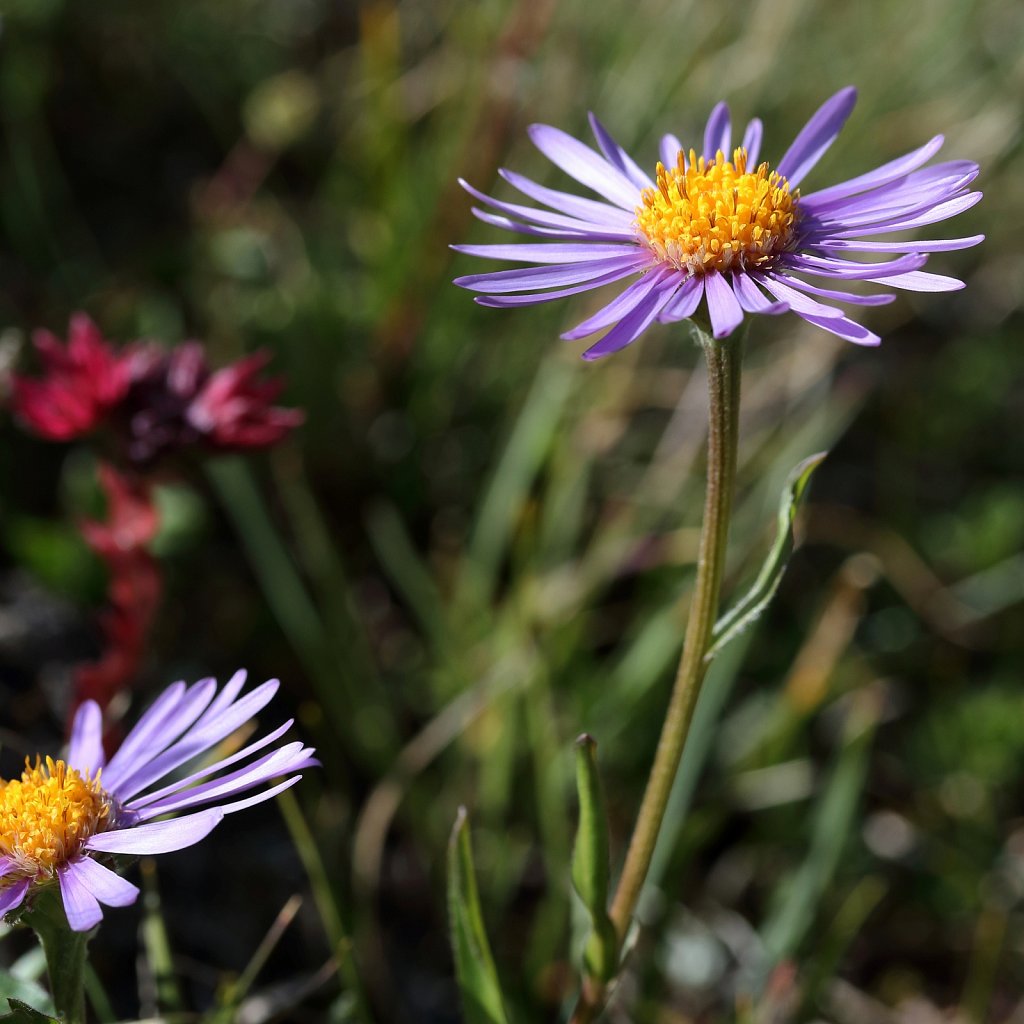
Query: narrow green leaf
x,y
757,599
474,965
590,861
22,1013
797,901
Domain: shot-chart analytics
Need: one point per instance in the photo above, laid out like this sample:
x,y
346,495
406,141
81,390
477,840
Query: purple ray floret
x,y
749,249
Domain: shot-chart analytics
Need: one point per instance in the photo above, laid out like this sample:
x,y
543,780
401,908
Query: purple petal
x,y
228,693
798,302
176,721
718,133
509,301
879,176
670,149
843,328
618,157
927,245
105,885
210,730
829,293
555,234
147,728
543,217
631,326
239,755
12,896
919,281
750,298
724,309
832,266
157,836
85,748
288,758
499,282
622,304
941,212
586,166
901,204
547,252
7,866
121,770
685,301
259,798
929,185
82,908
576,206
752,141
817,135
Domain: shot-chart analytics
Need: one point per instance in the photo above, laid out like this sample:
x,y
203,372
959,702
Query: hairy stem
x,y
65,955
723,361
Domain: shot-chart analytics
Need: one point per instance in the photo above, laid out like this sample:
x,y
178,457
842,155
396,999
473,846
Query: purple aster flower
x,y
734,233
62,819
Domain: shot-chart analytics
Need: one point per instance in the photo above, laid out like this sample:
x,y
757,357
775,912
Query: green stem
x,y
723,361
65,955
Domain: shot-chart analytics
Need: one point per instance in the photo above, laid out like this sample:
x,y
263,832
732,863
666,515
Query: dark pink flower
x,y
154,401
82,382
234,408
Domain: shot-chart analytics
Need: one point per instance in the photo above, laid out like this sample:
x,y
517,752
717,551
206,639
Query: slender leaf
x,y
474,965
22,1013
798,899
590,861
757,599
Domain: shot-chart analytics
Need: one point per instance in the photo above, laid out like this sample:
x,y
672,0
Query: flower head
x,y
176,400
718,226
234,408
83,381
62,818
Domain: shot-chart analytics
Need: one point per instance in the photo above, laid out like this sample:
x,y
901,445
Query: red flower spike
x,y
82,382
133,591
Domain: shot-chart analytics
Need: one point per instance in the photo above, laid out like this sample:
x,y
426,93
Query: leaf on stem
x,y
22,1013
757,599
474,965
590,862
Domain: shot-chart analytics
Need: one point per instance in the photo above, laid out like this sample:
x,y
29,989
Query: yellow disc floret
x,y
715,215
47,814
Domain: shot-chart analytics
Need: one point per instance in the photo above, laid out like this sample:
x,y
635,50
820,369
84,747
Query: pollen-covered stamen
x,y
48,814
715,215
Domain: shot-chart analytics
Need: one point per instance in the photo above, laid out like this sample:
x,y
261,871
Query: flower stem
x,y
723,362
65,952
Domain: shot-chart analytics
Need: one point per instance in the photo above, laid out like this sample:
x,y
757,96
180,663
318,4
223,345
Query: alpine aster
x,y
723,229
62,818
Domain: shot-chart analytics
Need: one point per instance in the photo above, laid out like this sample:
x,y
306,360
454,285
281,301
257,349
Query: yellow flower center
x,y
716,215
47,814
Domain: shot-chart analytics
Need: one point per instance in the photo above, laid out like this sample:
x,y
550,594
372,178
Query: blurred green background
x,y
479,546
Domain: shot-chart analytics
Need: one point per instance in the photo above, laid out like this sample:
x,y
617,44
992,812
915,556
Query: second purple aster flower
x,y
61,820
733,233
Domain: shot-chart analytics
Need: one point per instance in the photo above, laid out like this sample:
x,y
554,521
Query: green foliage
x,y
590,867
477,546
22,1013
477,975
753,604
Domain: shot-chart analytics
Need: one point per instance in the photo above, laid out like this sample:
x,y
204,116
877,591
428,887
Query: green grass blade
x,y
474,965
